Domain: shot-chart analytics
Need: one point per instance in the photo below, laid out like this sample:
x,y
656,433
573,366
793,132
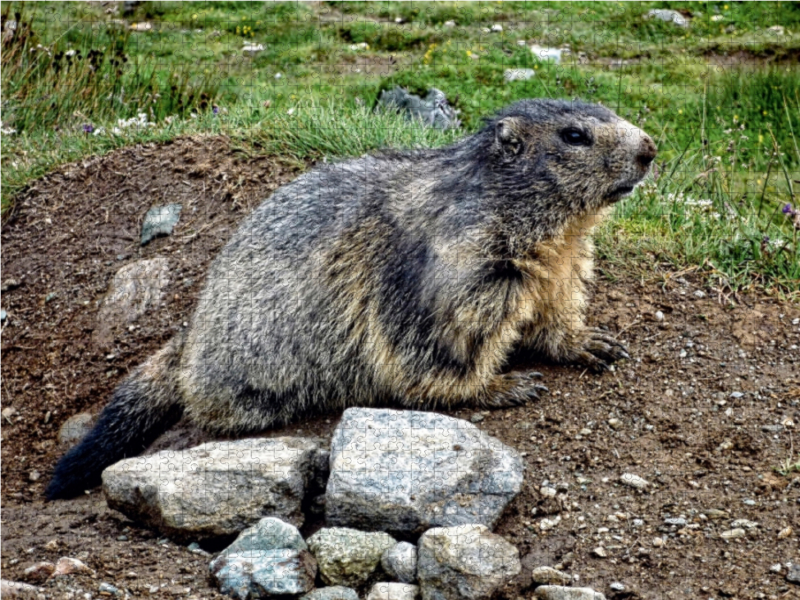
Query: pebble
x,y
557,592
658,542
8,412
676,521
638,522
549,576
476,418
732,534
736,395
793,576
497,28
34,475
3,315
699,294
615,423
617,587
39,572
547,491
659,315
744,524
107,588
69,566
785,532
634,481
547,524
776,568
748,502
600,552
714,513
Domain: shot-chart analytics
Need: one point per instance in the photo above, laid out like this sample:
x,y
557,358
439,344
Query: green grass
x,y
727,137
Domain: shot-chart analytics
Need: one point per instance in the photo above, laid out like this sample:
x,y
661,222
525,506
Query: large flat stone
x,y
215,489
407,471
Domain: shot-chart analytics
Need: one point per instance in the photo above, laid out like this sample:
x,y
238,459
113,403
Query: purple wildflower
x,y
88,128
215,109
787,210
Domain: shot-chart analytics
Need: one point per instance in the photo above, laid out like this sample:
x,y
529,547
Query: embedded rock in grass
x,y
407,471
347,556
268,559
467,562
215,489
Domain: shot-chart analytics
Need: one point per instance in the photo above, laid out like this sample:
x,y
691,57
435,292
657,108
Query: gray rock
x,y
675,521
137,288
544,53
393,591
160,220
549,576
269,558
346,556
793,576
75,428
518,74
557,592
432,111
668,16
334,592
3,315
400,562
19,591
107,588
467,562
407,471
215,489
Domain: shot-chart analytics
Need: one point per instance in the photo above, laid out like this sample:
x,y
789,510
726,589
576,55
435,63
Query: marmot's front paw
x,y
600,350
514,389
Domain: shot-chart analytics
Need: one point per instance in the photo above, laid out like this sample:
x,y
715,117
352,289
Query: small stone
x,y
676,522
634,481
34,476
659,315
160,220
748,502
617,587
497,28
70,566
107,588
3,315
785,532
658,542
732,534
547,491
793,576
557,592
776,568
334,592
600,552
347,556
549,576
8,412
252,49
518,74
736,395
638,523
744,524
141,26
18,591
51,546
400,562
10,284
466,562
449,23
699,294
476,418
714,513
614,423
39,572
668,16
393,591
548,524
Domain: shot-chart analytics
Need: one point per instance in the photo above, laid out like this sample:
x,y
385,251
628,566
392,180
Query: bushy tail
x,y
143,407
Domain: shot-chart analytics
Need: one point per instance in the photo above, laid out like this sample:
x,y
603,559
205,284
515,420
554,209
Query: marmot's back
x,y
408,277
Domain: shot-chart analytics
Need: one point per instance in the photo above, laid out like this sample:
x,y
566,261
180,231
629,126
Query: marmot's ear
x,y
507,136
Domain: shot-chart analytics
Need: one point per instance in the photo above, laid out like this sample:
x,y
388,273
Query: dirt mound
x,y
703,411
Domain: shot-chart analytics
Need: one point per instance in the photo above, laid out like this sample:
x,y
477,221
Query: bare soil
x,y
705,411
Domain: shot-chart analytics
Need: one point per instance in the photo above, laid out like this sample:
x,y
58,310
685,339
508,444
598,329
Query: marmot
x,y
405,277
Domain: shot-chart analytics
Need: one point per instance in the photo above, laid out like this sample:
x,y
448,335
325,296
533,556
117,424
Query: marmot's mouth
x,y
619,192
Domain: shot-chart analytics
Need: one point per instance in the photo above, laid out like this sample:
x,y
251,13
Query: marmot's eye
x,y
575,137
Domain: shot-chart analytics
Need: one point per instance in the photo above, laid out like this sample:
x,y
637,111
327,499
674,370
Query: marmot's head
x,y
565,158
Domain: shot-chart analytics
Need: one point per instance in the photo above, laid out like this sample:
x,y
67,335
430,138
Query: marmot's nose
x,y
647,151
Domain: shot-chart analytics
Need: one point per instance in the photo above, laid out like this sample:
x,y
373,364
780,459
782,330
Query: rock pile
x,y
389,474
